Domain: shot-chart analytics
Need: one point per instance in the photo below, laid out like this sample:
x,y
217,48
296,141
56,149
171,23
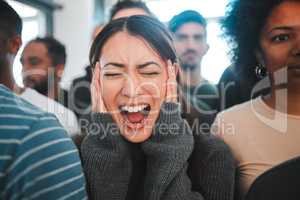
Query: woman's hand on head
x,y
171,94
97,100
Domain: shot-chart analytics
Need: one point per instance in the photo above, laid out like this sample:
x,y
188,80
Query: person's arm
x,y
212,168
46,165
168,151
106,160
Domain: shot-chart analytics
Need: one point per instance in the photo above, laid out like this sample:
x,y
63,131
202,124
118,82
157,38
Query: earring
x,y
261,71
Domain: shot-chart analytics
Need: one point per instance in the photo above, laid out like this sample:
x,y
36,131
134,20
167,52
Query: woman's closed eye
x,y
150,70
150,73
111,74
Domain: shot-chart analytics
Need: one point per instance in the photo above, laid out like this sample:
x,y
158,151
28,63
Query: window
x,y
213,11
34,24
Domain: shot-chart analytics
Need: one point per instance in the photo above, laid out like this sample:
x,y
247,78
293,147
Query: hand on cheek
x,y
171,93
97,100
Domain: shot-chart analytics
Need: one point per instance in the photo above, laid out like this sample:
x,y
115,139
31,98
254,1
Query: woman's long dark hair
x,y
153,32
147,28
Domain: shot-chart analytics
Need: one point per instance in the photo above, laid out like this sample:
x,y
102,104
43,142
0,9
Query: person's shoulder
x,y
20,114
239,111
207,87
46,103
13,104
229,73
34,98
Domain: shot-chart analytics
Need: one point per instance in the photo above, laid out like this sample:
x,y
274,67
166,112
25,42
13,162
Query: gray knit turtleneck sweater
x,y
173,164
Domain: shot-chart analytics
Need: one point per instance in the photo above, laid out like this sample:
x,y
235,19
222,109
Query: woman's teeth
x,y
135,116
133,109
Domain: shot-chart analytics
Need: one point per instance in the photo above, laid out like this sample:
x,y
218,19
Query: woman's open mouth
x,y
135,115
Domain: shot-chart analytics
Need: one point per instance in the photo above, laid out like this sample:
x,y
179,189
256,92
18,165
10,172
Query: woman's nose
x,y
130,87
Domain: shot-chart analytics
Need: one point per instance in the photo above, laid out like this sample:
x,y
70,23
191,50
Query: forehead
x,y
285,14
35,49
124,47
129,12
191,28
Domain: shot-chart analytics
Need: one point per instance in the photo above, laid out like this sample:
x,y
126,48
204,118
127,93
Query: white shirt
x,y
65,116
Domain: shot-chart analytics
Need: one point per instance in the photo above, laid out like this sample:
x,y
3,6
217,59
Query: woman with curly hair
x,y
263,132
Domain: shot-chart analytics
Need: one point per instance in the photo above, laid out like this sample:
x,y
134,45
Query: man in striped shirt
x,y
37,158
10,42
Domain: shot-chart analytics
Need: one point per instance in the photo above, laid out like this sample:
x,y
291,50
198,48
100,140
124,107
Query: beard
x,y
189,60
40,86
188,67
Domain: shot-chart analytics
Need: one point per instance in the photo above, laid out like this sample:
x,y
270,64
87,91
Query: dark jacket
x,y
80,94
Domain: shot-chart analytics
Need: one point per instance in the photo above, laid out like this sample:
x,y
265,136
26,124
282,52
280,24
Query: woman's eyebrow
x,y
286,28
114,64
147,64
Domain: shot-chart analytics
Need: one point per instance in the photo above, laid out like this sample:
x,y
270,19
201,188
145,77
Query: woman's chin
x,y
137,136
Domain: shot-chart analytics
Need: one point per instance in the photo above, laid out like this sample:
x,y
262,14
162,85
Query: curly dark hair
x,y
242,26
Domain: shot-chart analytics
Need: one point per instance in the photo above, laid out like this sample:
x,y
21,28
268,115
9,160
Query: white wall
x,y
72,26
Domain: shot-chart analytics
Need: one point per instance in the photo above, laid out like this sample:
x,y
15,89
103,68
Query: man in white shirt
x,y
10,42
43,61
65,116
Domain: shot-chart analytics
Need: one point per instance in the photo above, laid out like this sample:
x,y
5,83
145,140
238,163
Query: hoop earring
x,y
261,71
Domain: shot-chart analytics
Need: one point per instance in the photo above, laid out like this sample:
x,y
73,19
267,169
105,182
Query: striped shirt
x,y
37,158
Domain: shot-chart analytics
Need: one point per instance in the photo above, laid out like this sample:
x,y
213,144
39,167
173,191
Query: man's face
x,y
36,67
190,44
9,47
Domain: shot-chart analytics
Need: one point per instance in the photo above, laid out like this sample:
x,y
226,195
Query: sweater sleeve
x,y
167,153
106,160
212,168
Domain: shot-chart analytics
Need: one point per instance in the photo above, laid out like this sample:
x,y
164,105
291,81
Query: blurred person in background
x,y
129,8
264,131
10,43
47,56
189,30
43,61
80,95
199,95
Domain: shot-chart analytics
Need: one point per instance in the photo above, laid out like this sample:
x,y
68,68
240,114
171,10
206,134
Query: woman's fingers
x,y
94,90
97,100
171,95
